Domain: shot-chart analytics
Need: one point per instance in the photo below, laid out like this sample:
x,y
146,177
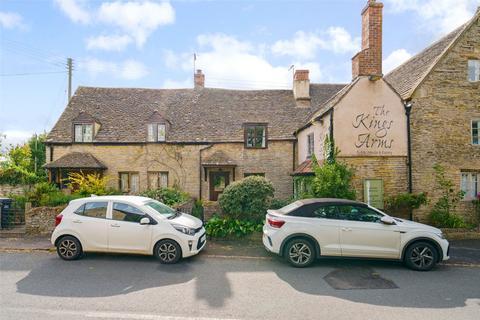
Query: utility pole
x,y
36,139
70,69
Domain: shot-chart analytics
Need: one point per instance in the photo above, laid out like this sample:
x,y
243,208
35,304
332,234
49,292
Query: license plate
x,y
202,238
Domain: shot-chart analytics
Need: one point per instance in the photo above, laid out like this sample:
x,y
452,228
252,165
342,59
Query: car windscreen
x,y
161,208
290,207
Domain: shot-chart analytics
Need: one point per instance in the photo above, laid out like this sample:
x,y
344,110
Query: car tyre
x,y
168,251
421,256
300,253
69,248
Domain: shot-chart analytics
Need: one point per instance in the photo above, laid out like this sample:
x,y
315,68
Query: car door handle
x,y
115,225
346,229
77,221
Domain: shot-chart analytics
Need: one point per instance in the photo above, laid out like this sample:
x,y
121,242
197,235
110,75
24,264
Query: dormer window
x,y
255,135
156,132
83,132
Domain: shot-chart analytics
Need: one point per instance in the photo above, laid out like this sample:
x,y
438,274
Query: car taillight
x,y
274,223
58,219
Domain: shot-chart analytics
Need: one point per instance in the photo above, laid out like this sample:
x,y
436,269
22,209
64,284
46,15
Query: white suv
x,y
126,224
307,229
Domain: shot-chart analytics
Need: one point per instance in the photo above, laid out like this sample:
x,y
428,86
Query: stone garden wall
x,y
7,189
41,220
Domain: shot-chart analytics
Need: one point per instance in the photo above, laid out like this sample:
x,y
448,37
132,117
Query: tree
x,y
38,154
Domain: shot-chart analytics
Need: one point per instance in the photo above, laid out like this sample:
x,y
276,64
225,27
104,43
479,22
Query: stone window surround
x,y
478,132
255,124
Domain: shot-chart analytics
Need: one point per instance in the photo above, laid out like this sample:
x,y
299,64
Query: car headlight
x,y
184,229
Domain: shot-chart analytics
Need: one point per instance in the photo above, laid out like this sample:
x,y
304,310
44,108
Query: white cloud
x,y
395,59
438,16
230,63
109,43
10,20
175,84
127,70
138,19
15,137
305,45
74,10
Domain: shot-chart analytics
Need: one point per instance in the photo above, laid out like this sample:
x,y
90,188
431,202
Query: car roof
x,y
330,201
132,199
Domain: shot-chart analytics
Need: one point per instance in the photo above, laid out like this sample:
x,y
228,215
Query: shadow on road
x,y
99,275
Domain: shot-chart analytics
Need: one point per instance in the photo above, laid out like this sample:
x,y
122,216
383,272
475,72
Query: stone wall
x,y
6,189
443,107
41,220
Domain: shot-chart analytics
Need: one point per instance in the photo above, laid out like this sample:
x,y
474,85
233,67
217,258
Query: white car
x,y
127,224
307,229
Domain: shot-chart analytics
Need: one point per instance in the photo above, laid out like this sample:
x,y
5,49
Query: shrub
x,y
333,180
218,227
405,201
247,199
46,194
198,210
278,203
168,196
88,184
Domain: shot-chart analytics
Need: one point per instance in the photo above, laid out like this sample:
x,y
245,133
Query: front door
x,y
219,180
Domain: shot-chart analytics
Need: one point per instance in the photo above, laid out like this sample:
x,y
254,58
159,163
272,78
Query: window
x,y
260,174
129,182
475,132
157,179
311,145
355,213
470,184
256,136
126,212
326,212
83,132
473,70
156,132
93,210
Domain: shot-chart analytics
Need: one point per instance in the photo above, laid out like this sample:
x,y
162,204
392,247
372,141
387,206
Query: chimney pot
x,y
199,79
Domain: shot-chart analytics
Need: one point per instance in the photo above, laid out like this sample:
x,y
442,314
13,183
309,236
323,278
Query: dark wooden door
x,y
219,180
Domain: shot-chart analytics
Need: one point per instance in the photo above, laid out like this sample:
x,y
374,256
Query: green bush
x,y
168,196
441,219
88,184
46,194
218,227
247,199
406,201
278,203
333,180
198,210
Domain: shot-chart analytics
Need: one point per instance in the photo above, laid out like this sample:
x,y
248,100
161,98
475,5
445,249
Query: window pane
x,y
473,70
95,209
326,212
250,136
87,133
354,213
151,133
125,212
78,133
475,130
161,132
163,179
152,180
124,182
134,182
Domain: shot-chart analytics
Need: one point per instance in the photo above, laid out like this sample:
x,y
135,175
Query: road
x,y
39,285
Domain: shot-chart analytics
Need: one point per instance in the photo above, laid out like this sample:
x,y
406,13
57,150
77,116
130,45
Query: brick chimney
x,y
199,79
368,62
301,88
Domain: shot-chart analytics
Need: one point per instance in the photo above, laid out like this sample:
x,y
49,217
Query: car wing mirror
x,y
145,221
387,220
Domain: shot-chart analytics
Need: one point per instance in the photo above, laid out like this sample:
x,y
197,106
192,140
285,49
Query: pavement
x,y
39,285
462,252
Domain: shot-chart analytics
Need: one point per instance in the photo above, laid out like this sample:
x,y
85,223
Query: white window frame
x,y
478,132
475,64
156,132
470,184
84,137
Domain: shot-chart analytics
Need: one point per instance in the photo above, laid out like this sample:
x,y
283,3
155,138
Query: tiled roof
x,y
406,78
218,158
304,169
77,160
203,115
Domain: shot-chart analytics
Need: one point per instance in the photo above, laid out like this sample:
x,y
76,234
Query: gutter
x,y
408,108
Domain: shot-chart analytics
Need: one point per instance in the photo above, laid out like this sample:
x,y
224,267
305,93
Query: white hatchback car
x,y
127,224
307,229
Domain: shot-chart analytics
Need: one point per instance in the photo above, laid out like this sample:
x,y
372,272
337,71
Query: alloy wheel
x,y
422,257
167,252
68,248
300,253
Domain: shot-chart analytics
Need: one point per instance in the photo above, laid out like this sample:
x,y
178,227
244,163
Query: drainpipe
x,y
200,170
408,108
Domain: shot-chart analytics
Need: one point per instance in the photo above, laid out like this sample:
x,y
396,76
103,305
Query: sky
x,y
148,43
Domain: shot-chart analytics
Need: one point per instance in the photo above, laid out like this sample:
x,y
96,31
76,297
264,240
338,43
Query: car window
x,y
326,212
93,210
357,213
126,212
306,210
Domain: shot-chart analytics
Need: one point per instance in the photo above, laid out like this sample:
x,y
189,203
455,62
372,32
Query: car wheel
x,y
69,248
168,251
421,256
300,253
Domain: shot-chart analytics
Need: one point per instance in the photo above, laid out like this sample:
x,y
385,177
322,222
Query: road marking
x,y
107,314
